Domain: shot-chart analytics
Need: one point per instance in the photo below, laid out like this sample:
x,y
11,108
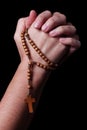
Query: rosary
x,y
50,66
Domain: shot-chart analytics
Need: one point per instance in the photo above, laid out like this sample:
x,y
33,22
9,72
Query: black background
x,y
62,103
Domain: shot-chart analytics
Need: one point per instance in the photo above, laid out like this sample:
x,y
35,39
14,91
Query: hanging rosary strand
x,y
50,66
29,100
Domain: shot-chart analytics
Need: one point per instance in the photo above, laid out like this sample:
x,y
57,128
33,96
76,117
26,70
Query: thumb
x,y
30,19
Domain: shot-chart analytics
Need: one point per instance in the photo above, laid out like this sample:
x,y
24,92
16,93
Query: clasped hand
x,y
52,34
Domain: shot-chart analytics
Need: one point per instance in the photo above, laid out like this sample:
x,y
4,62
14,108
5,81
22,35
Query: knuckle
x,y
64,17
79,44
53,20
56,13
47,12
15,36
74,28
61,28
60,15
44,14
71,40
21,20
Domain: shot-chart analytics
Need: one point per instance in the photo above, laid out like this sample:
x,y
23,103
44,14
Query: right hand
x,y
22,25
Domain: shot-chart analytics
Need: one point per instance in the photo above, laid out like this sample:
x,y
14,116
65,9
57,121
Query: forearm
x,y
14,112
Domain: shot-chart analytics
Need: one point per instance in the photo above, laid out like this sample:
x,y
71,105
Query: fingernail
x,y
62,39
45,28
37,25
52,33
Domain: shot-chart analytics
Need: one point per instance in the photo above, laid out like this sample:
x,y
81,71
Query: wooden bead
x,y
26,34
43,56
30,41
27,53
24,47
22,34
29,74
28,71
23,40
36,49
29,77
33,46
28,86
23,44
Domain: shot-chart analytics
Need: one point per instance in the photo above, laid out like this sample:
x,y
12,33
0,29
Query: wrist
x,y
39,75
36,76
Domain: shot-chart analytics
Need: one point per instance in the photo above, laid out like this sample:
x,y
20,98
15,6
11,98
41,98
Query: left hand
x,y
51,32
57,26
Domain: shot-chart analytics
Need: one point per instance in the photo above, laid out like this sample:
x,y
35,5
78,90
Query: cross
x,y
29,100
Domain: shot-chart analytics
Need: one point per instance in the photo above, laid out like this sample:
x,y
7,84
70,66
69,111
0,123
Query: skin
x,y
46,30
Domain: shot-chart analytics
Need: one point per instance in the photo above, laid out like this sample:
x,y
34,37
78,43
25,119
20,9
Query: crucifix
x,y
29,100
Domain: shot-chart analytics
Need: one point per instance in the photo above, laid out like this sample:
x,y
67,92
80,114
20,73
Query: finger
x,y
41,18
71,49
23,23
64,30
30,19
76,37
70,41
56,20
